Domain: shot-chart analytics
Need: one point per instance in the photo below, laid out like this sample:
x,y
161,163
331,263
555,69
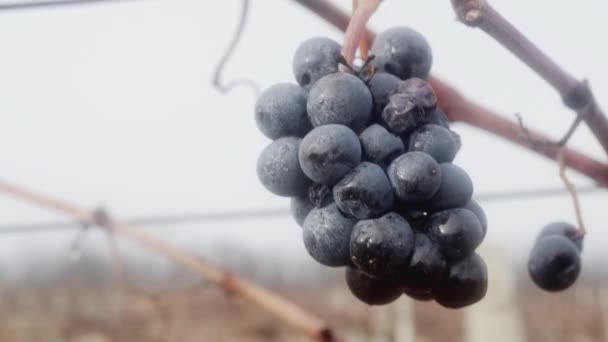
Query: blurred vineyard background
x,y
88,302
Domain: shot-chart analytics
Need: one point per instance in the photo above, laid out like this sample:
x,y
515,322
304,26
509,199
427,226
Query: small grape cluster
x,y
555,263
367,159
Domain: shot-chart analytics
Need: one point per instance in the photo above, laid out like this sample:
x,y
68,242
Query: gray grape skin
x,y
279,170
315,58
401,115
329,152
458,232
473,206
379,145
280,111
326,234
455,191
415,177
436,141
381,86
411,105
340,98
320,195
382,247
420,91
563,229
300,207
438,117
554,263
364,192
402,52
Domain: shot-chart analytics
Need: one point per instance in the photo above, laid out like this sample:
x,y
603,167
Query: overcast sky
x,y
112,104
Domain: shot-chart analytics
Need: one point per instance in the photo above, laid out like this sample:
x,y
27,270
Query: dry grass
x,y
207,314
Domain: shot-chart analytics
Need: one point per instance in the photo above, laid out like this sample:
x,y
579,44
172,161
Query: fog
x,y
112,105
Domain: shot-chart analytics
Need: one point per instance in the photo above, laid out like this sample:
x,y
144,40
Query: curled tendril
x,y
225,87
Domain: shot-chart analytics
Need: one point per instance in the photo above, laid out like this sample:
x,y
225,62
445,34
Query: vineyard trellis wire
x,y
21,5
271,213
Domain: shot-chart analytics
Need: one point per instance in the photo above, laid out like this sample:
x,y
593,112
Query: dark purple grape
x,y
409,107
381,86
315,58
420,91
425,268
554,263
456,231
329,152
473,206
436,141
340,98
415,177
300,207
370,290
419,295
401,114
365,192
327,235
402,52
464,283
379,145
281,111
418,220
455,191
279,170
438,117
382,247
408,213
564,229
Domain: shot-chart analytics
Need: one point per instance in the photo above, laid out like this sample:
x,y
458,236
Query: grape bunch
x,y
366,157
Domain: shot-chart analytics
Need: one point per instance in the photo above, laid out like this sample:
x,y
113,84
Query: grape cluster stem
x,y
573,194
363,44
268,300
460,108
355,32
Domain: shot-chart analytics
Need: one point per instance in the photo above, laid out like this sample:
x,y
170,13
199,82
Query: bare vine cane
x,y
548,143
577,95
